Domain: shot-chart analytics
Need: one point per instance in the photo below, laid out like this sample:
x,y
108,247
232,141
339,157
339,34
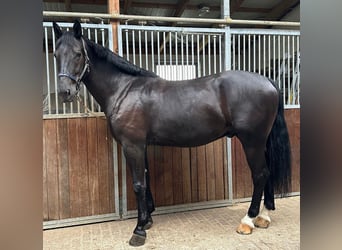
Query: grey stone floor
x,y
201,229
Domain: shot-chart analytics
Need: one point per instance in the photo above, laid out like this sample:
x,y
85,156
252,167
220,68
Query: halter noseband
x,y
86,68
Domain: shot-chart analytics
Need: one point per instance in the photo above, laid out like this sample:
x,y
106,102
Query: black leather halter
x,y
86,68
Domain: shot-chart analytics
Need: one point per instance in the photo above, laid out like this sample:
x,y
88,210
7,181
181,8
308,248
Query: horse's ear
x,y
77,29
57,29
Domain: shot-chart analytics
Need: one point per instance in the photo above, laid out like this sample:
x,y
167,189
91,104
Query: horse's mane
x,y
118,61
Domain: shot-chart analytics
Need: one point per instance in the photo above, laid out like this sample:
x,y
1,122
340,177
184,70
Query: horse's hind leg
x,y
263,219
255,154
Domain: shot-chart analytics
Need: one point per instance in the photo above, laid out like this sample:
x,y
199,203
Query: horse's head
x,y
72,60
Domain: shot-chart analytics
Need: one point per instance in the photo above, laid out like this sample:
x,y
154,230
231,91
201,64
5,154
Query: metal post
x,y
227,54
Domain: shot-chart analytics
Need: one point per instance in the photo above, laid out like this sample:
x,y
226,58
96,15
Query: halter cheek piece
x,y
86,68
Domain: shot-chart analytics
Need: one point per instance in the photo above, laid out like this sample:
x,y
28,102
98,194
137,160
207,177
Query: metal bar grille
x,y
272,53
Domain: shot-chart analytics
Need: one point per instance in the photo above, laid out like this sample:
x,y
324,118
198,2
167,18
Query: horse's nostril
x,y
68,91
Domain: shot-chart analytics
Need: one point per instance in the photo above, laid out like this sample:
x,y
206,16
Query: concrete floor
x,y
201,229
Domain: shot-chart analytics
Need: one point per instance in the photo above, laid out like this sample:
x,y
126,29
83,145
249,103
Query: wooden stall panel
x,y
184,175
78,168
242,180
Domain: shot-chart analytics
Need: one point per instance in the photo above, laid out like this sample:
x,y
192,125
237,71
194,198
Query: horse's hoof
x,y
261,222
244,229
137,240
148,224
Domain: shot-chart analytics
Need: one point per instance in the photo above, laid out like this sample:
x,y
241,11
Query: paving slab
x,y
201,229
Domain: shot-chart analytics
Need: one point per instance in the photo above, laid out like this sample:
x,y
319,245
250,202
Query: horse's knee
x,y
138,187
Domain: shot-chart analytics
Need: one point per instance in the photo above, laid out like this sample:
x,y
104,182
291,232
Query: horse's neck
x,y
105,83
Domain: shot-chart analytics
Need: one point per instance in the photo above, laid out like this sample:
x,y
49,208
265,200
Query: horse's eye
x,y
78,54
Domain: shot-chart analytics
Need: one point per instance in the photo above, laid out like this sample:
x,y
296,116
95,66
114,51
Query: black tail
x,y
278,152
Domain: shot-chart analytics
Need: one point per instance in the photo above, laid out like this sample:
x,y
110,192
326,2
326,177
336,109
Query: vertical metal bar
x,y
298,71
215,63
269,56
279,69
182,58
220,53
283,70
127,45
198,57
264,55
203,50
133,46
170,55
152,51
238,53
47,70
158,47
288,71
192,56
146,51
259,54
274,59
176,56
209,57
187,56
55,70
254,54
244,52
233,56
249,52
139,43
293,72
71,103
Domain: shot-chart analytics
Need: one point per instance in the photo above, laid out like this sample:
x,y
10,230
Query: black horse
x,y
143,109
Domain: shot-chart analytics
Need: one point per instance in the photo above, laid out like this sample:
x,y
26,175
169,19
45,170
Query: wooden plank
x,y
102,150
159,176
78,172
210,168
292,117
225,168
186,173
63,168
218,168
93,166
177,177
110,168
52,172
151,167
202,175
194,174
168,180
45,193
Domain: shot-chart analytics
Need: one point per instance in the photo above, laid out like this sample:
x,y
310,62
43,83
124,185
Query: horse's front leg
x,y
135,158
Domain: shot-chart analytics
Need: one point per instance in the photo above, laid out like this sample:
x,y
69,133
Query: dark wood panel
x,y
63,169
202,175
45,181
102,141
78,177
186,174
210,168
79,195
93,167
219,173
52,169
177,176
242,181
292,117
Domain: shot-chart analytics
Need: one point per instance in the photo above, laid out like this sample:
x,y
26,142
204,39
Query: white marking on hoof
x,y
248,221
265,214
